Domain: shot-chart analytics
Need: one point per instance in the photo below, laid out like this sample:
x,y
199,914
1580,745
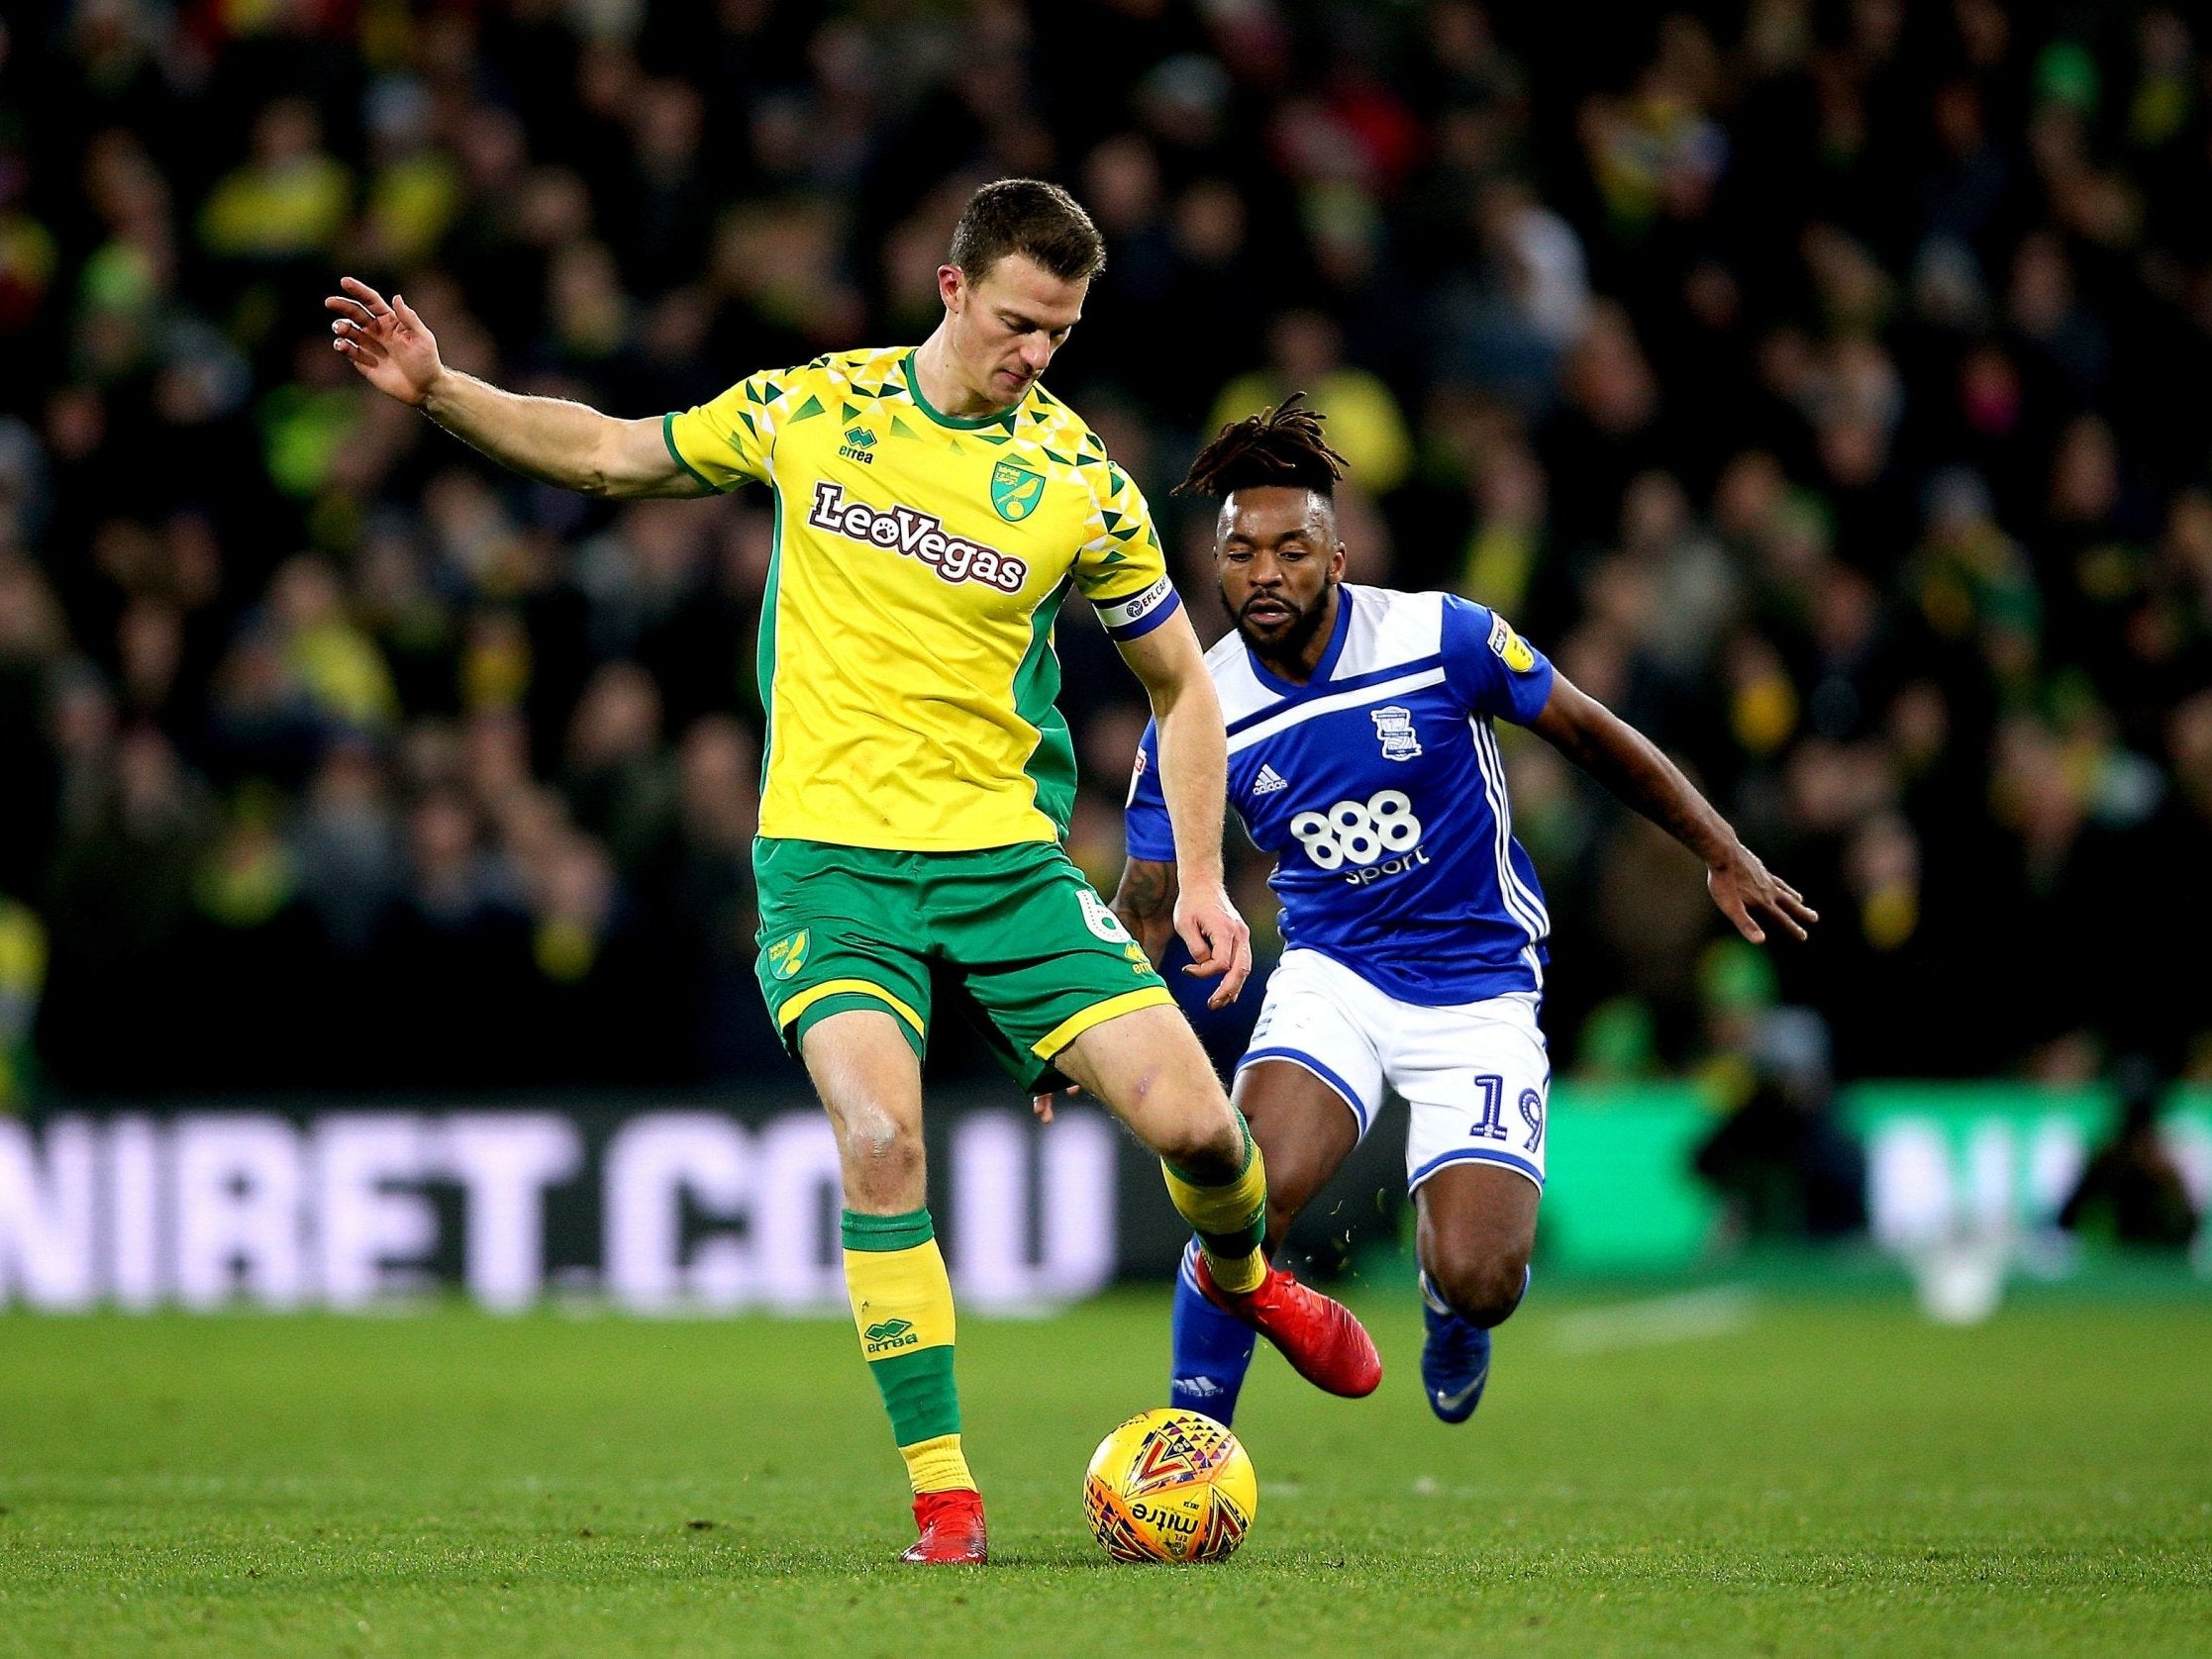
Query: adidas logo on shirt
x,y
1268,781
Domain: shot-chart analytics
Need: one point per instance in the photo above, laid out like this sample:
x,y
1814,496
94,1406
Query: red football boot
x,y
952,1524
1320,1337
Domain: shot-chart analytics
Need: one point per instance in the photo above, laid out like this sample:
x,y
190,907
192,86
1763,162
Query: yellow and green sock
x,y
902,1306
1229,1217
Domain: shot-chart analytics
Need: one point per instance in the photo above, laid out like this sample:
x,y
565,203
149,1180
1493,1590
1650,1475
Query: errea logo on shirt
x,y
859,441
914,534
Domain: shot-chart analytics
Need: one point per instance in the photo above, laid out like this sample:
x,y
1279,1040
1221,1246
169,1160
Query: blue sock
x,y
1212,1351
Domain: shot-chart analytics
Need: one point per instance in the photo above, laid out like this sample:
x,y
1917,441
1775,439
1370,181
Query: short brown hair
x,y
1031,217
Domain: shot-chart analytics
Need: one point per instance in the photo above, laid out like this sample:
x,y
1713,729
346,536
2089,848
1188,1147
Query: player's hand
x,y
1746,890
395,353
1219,940
1042,1104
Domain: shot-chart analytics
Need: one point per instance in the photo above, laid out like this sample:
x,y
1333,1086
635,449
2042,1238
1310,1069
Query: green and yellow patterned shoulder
x,y
868,371
1060,445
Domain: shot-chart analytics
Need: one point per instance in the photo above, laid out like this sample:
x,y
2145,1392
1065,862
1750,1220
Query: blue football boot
x,y
1454,1360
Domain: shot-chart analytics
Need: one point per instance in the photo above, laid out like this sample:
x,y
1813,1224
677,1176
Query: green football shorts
x,y
1015,933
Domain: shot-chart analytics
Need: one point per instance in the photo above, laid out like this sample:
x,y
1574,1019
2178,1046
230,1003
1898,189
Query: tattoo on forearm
x,y
1634,768
1145,901
1143,889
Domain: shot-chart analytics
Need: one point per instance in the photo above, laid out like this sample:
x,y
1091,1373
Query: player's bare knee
x,y
1482,1286
879,1144
1209,1143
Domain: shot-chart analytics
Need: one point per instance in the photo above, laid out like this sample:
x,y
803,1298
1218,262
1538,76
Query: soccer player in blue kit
x,y
1362,754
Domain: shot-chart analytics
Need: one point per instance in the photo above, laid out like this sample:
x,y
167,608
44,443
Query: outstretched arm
x,y
548,438
1630,765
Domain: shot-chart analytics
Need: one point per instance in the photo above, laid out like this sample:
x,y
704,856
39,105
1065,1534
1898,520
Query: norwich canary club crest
x,y
787,956
1016,491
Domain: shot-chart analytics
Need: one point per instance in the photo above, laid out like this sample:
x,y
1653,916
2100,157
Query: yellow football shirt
x,y
906,658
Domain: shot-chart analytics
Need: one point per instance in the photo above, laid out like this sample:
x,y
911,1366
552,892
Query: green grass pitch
x,y
1782,1474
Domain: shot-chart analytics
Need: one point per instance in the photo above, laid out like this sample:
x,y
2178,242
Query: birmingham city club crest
x,y
1394,725
1016,491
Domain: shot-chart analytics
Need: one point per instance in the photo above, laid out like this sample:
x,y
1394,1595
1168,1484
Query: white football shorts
x,y
1476,1076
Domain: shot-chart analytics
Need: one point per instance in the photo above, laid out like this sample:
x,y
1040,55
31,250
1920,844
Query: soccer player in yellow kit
x,y
934,506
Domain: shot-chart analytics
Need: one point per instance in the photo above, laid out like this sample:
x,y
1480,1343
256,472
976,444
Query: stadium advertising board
x,y
660,1210
679,1207
1945,1161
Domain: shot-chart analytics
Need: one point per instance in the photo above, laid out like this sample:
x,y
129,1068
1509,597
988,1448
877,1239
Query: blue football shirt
x,y
1378,788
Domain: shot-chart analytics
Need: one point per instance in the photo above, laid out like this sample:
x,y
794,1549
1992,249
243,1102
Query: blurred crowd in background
x,y
1824,385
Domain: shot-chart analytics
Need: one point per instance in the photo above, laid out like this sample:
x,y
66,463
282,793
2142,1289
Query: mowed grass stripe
x,y
1816,1478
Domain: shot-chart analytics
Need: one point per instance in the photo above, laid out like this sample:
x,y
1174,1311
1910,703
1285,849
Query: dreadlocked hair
x,y
1282,446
